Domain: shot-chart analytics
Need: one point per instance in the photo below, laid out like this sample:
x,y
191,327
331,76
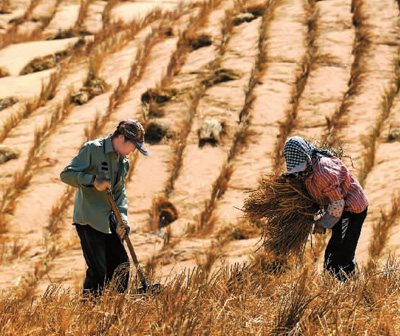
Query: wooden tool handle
x,y
126,238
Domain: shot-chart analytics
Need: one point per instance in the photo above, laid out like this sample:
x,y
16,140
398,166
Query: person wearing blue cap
x,y
99,165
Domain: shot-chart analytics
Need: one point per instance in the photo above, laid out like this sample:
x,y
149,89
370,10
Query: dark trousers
x,y
341,249
105,257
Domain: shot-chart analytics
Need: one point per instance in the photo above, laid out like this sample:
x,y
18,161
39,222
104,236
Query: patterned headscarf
x,y
297,151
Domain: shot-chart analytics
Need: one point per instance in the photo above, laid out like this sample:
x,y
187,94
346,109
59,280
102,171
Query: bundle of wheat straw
x,y
283,210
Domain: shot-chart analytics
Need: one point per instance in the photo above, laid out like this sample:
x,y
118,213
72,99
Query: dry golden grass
x,y
358,72
106,15
8,153
220,185
238,300
226,30
48,91
307,64
206,260
15,118
21,178
28,13
12,250
243,132
381,231
183,46
370,140
59,209
12,35
179,145
4,72
133,159
242,229
83,11
162,213
5,7
316,248
283,210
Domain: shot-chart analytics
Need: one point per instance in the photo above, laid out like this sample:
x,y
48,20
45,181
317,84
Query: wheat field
x,y
219,85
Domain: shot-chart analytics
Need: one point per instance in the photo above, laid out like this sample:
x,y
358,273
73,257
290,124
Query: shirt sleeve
x,y
332,214
120,196
75,173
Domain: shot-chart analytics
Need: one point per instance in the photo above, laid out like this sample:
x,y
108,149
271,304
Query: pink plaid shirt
x,y
331,181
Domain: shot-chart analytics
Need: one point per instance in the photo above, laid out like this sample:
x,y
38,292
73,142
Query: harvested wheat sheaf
x,y
283,209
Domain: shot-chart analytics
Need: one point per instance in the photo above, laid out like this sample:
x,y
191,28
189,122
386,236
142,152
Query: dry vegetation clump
x,y
243,229
7,102
242,18
152,110
82,14
257,8
106,15
43,63
250,13
91,88
12,35
222,75
59,209
139,65
7,153
10,251
158,95
163,212
394,134
5,7
240,300
65,34
283,209
212,131
4,72
199,41
156,131
207,219
14,119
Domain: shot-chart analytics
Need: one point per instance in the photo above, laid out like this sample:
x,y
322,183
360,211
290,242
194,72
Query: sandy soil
x,y
56,257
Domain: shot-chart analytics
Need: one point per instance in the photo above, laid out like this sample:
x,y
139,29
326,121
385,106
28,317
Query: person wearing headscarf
x,y
333,187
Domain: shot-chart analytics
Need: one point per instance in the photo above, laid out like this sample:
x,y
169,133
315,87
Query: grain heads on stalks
x,y
283,210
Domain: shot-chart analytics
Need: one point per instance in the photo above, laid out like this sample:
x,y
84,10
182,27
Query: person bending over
x,y
332,186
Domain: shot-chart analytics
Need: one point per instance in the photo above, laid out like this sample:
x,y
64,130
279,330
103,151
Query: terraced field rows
x,y
316,69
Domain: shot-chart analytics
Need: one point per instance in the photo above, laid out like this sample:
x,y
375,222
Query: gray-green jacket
x,y
92,206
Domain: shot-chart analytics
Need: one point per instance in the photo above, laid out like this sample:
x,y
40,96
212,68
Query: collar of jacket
x,y
108,147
